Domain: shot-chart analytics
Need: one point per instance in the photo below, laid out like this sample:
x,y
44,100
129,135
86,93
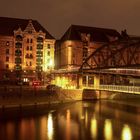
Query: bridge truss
x,y
120,54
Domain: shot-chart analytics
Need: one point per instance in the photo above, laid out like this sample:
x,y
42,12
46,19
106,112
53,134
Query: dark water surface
x,y
96,120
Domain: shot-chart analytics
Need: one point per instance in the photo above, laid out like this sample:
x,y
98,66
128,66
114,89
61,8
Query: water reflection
x,y
50,127
126,133
68,125
93,128
76,121
108,129
43,127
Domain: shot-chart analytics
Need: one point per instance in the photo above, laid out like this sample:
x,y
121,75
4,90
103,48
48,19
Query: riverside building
x,y
26,50
77,43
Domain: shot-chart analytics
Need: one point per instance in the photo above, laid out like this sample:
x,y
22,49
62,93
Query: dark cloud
x,y
58,15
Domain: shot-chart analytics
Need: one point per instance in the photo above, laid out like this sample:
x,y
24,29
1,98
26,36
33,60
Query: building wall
x,y
48,55
69,54
35,51
6,52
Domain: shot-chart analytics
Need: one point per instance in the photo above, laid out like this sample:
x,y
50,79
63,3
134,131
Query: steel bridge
x,y
124,54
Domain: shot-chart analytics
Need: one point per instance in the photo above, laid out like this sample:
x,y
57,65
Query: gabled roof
x,y
8,25
96,34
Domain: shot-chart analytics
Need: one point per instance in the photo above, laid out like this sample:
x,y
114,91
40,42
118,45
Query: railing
x,y
119,88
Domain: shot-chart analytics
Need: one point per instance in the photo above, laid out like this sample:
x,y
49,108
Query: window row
x,y
29,40
29,63
29,56
29,48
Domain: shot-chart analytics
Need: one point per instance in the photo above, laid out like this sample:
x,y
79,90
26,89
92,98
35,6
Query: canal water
x,y
83,120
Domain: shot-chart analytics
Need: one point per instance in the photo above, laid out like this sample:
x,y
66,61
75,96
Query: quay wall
x,y
16,97
22,97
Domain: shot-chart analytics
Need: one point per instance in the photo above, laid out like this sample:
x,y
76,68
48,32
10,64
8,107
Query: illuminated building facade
x,y
77,43
26,50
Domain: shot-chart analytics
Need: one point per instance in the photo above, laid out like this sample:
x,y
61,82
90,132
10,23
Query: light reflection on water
x,y
50,127
93,128
108,129
76,121
126,133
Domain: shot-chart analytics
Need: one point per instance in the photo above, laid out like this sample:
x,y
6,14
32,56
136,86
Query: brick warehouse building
x,y
77,43
26,50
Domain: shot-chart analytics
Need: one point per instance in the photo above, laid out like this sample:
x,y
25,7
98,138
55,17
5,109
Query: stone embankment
x,y
25,96
22,97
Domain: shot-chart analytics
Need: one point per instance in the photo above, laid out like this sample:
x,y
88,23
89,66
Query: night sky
x,y
57,15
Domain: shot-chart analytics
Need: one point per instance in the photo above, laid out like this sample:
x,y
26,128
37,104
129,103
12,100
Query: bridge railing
x,y
119,88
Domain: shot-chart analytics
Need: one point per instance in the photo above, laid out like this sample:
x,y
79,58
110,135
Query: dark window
x,y
30,32
18,45
49,46
39,46
31,41
18,38
27,40
27,48
18,60
18,53
27,55
48,53
7,51
39,39
31,47
31,56
7,59
30,63
7,66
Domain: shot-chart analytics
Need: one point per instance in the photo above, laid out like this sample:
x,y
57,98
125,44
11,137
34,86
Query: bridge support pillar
x,y
96,81
87,77
79,81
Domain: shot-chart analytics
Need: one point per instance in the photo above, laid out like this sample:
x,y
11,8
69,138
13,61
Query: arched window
x,y
39,39
19,38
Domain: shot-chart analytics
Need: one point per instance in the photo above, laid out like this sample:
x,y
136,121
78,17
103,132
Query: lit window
x,y
7,43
